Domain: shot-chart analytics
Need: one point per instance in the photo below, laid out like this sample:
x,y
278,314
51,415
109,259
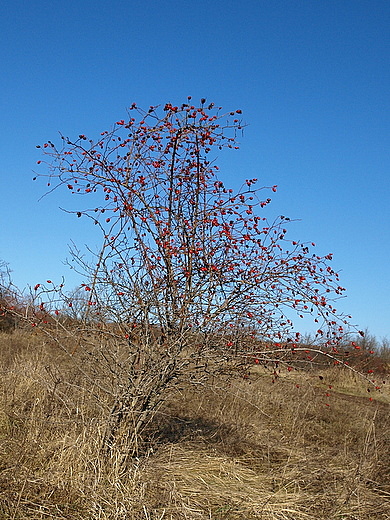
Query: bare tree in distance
x,y
7,299
191,279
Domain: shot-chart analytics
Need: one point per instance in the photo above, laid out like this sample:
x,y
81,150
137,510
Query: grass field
x,y
311,445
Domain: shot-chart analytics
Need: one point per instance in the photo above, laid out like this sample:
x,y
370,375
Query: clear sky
x,y
312,78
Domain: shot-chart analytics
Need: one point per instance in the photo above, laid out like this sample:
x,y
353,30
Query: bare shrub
x,y
191,281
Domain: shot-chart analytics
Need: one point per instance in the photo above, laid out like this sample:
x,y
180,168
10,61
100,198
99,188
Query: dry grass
x,y
251,450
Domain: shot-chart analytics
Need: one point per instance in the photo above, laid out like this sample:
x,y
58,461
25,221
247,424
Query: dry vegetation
x,y
249,450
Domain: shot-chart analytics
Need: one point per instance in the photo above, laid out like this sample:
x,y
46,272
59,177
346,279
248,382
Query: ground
x,y
310,445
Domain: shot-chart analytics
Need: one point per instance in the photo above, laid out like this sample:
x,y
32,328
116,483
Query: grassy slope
x,y
251,450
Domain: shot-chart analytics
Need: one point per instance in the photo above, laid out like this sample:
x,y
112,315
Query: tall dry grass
x,y
252,449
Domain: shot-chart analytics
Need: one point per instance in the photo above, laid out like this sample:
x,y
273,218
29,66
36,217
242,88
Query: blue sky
x,y
312,78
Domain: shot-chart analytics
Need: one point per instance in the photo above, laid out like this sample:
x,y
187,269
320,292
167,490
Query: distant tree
x,y
8,320
384,349
191,279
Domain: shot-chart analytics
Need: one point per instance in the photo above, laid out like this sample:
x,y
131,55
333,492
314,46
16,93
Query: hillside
x,y
310,445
